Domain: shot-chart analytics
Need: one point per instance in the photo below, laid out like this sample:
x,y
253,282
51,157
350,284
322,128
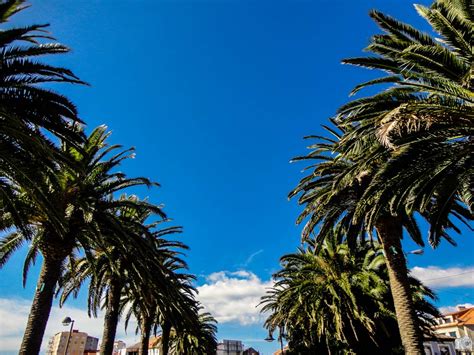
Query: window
x,y
452,334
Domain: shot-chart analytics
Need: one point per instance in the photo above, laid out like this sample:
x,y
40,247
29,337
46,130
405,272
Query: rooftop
x,y
463,316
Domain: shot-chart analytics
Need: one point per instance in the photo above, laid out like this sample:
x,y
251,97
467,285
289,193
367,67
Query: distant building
x,y
457,324
154,348
439,345
230,347
251,351
279,352
79,344
118,346
457,328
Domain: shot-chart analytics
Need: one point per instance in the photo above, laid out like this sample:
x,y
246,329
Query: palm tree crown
x,y
81,199
337,298
425,116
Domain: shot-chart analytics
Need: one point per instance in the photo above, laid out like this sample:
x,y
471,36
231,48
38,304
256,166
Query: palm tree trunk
x,y
145,327
111,317
390,233
165,337
41,307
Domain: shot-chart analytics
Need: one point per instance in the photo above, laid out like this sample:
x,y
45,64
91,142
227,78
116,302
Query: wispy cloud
x,y
234,296
437,277
250,258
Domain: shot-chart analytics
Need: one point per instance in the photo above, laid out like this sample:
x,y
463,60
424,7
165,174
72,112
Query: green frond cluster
x,y
337,299
402,154
408,148
62,194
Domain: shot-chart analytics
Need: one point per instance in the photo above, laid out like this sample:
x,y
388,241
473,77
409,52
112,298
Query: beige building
x,y
458,326
154,348
79,344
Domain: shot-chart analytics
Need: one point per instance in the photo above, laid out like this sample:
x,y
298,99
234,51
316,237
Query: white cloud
x,y
14,314
449,309
437,277
229,296
234,296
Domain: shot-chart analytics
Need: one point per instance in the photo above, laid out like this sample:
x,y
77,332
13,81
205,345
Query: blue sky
x,y
216,97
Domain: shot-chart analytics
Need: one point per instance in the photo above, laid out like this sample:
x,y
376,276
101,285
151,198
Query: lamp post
x,y
280,337
270,337
66,322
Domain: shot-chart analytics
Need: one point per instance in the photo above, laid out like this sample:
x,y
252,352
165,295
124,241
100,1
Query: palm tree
x,y
83,204
332,193
174,311
182,314
200,339
337,299
27,110
426,116
115,270
424,122
25,105
168,305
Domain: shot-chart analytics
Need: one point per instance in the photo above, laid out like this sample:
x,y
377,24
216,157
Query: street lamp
x,y
66,322
416,252
280,337
270,337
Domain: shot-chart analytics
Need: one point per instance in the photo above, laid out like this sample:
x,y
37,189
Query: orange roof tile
x,y
154,342
461,317
467,316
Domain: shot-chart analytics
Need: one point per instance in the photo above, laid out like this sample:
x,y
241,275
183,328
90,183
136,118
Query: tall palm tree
x,y
171,305
424,121
115,270
200,339
332,193
25,105
337,299
27,110
425,117
83,203
152,310
181,314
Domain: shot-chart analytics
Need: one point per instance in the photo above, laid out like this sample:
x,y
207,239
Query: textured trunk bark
x,y
165,338
390,232
145,328
111,317
41,307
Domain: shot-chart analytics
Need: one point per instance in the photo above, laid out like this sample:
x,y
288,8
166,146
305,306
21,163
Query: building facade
x,y
79,343
456,333
230,347
440,345
154,348
119,345
457,324
251,351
